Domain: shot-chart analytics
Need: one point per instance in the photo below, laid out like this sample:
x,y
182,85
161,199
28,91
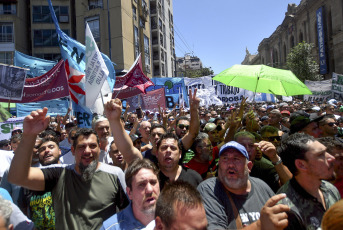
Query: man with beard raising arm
x,y
85,193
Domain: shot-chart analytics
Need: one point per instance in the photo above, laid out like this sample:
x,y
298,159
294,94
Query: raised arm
x,y
122,140
20,172
270,150
194,125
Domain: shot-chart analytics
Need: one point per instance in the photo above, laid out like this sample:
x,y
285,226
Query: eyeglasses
x,y
181,126
202,114
273,138
331,124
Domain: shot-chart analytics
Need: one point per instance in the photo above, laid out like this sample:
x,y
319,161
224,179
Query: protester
x,y
308,194
5,145
179,207
87,176
335,148
143,190
117,157
101,126
333,217
235,192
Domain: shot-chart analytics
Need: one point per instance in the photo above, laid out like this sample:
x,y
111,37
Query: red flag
x,y
136,78
51,85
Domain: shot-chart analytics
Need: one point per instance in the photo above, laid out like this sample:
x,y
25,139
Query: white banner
x,y
7,127
321,90
337,86
96,70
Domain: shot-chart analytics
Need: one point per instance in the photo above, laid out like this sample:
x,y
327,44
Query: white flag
x,y
96,70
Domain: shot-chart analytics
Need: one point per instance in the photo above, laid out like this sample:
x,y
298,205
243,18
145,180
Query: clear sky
x,y
219,31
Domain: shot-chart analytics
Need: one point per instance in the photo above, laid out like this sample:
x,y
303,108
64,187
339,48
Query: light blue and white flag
x,y
96,70
73,52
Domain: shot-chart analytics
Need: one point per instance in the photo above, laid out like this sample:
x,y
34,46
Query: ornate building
x,y
314,21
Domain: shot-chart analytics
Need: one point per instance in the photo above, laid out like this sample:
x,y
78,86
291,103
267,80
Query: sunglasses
x,y
181,126
171,119
331,124
273,138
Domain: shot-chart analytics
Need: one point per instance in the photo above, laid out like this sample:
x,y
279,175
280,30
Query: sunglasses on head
x,y
181,126
331,124
273,138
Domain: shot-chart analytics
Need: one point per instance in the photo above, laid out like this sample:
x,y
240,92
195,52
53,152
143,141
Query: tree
x,y
199,72
301,62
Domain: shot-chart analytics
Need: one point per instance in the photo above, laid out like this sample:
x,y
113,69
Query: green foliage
x,y
301,62
199,72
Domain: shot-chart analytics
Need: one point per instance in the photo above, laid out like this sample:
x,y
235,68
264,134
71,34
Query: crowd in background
x,y
217,152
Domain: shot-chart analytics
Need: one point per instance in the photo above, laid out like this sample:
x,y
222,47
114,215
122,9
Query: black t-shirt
x,y
187,175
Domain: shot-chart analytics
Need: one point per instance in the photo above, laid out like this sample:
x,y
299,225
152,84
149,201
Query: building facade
x,y
188,62
314,21
121,28
162,35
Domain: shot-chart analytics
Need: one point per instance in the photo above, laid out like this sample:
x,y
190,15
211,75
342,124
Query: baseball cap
x,y
300,119
283,104
234,145
264,118
134,137
316,108
209,127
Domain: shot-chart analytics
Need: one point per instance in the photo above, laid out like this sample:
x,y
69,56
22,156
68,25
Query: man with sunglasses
x,y
328,126
271,134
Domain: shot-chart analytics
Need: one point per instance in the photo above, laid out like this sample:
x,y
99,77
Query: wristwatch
x,y
278,162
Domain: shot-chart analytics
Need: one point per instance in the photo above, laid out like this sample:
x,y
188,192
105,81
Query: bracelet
x,y
278,162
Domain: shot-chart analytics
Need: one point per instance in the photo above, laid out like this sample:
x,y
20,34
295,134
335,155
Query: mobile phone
x,y
139,113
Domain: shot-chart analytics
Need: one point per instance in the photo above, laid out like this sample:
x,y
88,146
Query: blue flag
x,y
37,66
73,52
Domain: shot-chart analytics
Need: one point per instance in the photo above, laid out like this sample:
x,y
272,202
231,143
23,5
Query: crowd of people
x,y
238,166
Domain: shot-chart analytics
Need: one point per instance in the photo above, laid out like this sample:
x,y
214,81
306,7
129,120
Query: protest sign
x,y
149,101
337,86
50,85
7,127
321,90
12,80
172,87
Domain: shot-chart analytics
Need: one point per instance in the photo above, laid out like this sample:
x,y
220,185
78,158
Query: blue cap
x,y
234,145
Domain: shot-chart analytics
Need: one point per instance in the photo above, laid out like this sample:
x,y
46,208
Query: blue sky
x,y
218,31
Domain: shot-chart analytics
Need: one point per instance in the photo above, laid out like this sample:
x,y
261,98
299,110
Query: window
x,y
93,4
41,14
46,37
94,26
141,23
6,58
134,14
6,32
147,53
136,38
8,8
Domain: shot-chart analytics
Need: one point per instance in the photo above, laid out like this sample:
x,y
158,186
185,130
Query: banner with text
x,y
148,101
321,90
7,127
55,107
337,86
51,85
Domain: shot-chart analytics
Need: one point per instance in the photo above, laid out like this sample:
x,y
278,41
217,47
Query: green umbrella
x,y
263,79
